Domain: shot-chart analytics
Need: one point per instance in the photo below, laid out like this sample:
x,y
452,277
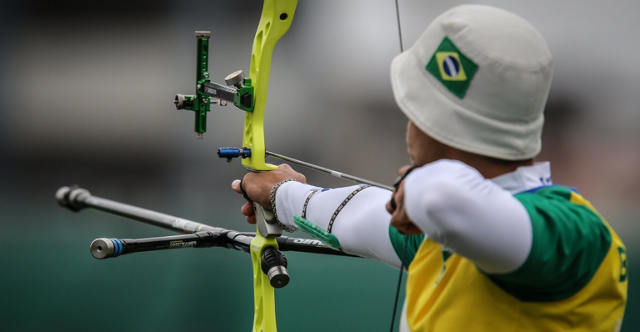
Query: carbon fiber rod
x,y
106,248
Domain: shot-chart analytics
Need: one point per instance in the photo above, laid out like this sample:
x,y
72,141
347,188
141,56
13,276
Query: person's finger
x,y
401,221
235,185
403,169
396,203
244,193
391,205
247,210
399,218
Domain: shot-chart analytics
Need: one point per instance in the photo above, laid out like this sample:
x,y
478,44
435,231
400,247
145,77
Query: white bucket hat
x,y
477,80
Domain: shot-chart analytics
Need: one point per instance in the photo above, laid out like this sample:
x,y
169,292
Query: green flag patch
x,y
452,68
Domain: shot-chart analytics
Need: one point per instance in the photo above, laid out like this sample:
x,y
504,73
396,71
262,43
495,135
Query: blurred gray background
x,y
87,91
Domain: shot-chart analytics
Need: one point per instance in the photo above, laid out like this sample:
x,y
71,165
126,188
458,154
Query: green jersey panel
x,y
405,246
570,241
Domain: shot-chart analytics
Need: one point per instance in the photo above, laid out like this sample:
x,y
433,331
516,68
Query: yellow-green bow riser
x,y
274,23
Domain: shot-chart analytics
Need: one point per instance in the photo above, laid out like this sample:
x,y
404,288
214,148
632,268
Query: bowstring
x,y
399,27
406,240
395,302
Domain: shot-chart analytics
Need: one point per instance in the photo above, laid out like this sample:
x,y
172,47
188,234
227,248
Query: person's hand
x,y
399,218
256,186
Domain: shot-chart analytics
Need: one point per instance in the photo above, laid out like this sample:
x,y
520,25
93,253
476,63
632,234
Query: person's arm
x,y
456,206
357,217
361,225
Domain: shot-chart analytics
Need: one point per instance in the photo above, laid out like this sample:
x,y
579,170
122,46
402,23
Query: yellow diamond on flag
x,y
450,67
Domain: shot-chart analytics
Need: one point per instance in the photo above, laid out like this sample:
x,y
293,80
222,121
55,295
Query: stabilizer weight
x,y
274,265
106,248
72,197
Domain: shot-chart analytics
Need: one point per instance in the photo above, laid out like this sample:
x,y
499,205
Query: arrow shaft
x,y
328,171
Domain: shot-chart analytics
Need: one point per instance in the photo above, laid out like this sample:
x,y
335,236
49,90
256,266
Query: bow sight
x,y
238,90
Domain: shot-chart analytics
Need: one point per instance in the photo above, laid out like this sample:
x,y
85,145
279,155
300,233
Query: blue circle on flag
x,y
451,66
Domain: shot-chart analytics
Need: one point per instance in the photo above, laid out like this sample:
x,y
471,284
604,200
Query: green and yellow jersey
x,y
574,278
509,254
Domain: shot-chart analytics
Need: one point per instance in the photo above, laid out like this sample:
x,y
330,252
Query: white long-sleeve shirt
x,y
451,202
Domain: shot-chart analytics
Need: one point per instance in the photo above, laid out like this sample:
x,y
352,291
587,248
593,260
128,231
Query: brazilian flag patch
x,y
452,68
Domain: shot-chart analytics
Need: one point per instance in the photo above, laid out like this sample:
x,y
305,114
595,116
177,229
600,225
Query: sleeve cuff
x,y
290,199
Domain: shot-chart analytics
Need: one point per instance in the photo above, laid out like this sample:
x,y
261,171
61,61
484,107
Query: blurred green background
x,y
87,91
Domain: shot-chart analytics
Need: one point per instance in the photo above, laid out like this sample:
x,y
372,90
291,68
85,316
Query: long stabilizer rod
x,y
103,248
